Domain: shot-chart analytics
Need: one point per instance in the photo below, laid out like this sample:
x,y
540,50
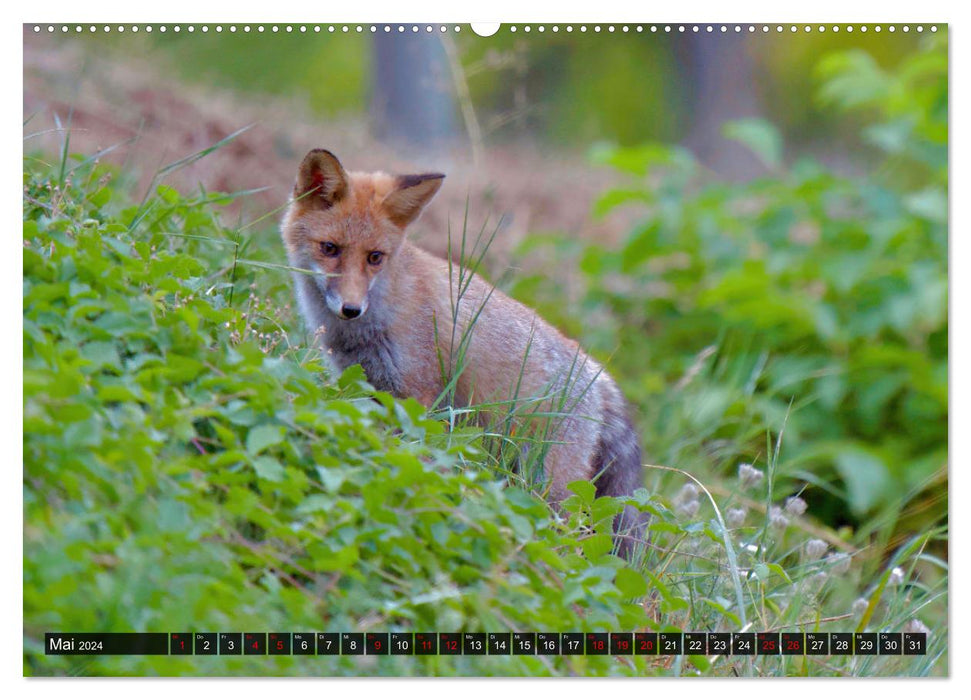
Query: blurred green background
x,y
567,88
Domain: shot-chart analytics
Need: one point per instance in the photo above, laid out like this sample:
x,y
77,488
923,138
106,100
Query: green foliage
x,y
760,136
187,467
826,292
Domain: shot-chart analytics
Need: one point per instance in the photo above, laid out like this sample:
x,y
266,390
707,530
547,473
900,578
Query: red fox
x,y
376,300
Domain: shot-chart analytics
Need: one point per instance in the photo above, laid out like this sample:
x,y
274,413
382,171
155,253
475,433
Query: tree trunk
x,y
412,101
723,89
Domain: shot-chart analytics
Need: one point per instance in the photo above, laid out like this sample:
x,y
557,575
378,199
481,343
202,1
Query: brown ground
x,y
114,101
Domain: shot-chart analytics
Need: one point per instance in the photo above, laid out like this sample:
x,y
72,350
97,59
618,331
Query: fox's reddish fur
x,y
377,300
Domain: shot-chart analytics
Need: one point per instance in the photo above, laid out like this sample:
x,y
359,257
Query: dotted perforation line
x,y
721,28
246,28
442,28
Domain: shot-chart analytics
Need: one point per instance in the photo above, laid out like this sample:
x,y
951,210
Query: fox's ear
x,y
411,194
321,179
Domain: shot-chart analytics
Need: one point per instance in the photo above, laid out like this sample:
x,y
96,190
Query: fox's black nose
x,y
350,311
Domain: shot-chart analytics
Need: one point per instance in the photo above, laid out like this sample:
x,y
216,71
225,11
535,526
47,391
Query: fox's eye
x,y
329,249
375,257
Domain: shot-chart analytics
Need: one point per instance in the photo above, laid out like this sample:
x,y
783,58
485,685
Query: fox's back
x,y
505,350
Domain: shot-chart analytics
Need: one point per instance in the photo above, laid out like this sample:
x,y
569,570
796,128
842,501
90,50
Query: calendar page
x,y
515,349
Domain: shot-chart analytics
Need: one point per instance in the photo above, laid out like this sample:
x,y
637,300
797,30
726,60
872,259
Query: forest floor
x,y
154,120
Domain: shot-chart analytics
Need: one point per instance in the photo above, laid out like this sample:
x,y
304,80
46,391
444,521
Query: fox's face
x,y
347,227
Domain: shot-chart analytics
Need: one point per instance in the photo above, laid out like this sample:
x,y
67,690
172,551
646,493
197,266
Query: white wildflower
x,y
688,508
815,549
734,517
813,585
839,562
915,626
860,605
896,577
688,493
777,519
749,475
795,506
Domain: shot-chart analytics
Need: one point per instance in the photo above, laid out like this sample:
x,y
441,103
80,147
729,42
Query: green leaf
x,y
673,601
584,489
640,247
630,583
168,194
102,354
852,79
700,662
340,561
929,203
596,546
722,610
316,503
611,199
759,136
269,468
636,160
780,572
761,571
263,436
352,376
866,477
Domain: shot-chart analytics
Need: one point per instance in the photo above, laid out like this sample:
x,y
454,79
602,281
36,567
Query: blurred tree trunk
x,y
723,88
413,104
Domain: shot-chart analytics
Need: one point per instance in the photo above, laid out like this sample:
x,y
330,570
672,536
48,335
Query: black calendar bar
x,y
113,643
482,643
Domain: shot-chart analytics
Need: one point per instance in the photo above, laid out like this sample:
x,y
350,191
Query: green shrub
x,y
804,299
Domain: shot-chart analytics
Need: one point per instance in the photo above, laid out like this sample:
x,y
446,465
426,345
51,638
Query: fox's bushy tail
x,y
618,472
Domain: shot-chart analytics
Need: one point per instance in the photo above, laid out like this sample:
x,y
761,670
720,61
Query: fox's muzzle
x,y
345,311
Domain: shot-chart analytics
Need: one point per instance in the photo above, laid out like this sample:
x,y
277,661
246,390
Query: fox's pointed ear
x,y
321,179
411,194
